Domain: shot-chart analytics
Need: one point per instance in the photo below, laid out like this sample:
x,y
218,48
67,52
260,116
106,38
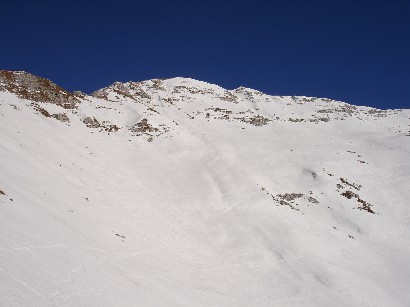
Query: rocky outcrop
x,y
34,88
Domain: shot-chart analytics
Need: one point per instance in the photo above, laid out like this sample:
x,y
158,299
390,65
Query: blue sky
x,y
354,51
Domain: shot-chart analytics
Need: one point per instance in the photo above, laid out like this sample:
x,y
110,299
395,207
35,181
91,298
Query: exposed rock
x,y
79,94
61,117
143,127
34,88
104,126
91,122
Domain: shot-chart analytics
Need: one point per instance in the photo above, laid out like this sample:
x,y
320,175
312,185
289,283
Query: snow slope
x,y
178,192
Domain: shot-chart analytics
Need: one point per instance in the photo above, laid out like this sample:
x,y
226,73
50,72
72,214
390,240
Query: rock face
x,y
177,192
30,87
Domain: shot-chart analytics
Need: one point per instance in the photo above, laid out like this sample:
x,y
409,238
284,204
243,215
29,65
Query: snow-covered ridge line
x,y
25,80
191,99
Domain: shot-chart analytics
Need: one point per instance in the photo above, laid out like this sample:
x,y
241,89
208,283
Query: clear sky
x,y
355,51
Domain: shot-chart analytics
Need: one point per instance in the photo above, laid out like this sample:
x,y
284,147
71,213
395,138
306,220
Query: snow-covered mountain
x,y
177,192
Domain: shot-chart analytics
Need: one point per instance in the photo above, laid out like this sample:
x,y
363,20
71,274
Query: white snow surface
x,y
202,207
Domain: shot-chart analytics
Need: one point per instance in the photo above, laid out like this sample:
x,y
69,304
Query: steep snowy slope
x,y
178,192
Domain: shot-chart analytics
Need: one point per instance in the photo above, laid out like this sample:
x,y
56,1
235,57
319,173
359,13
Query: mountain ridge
x,y
7,77
178,192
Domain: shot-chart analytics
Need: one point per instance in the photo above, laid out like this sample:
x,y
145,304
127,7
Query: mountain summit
x,y
178,192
